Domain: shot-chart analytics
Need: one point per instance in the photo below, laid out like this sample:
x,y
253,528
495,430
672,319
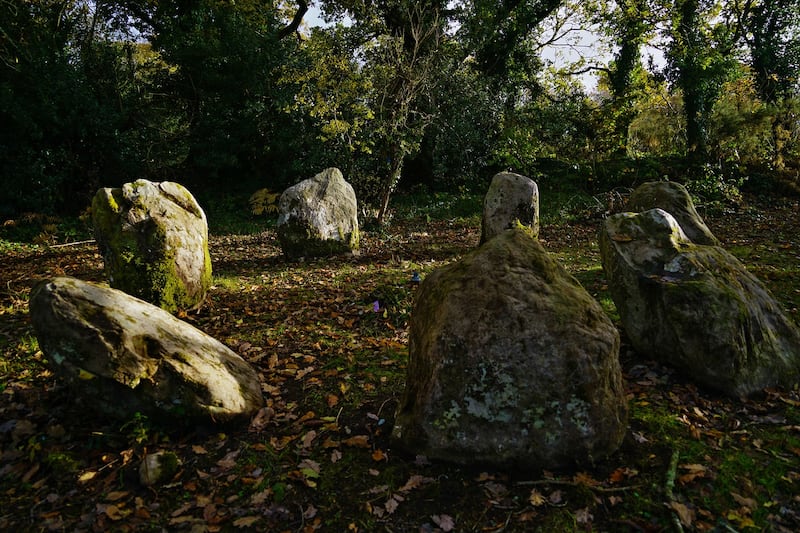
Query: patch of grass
x,y
464,206
226,282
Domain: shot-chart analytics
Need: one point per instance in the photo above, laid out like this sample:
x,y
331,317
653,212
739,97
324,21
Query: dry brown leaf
x,y
393,503
693,471
116,495
357,441
685,514
310,512
536,498
379,455
749,503
246,521
414,482
614,500
308,438
260,497
229,461
584,478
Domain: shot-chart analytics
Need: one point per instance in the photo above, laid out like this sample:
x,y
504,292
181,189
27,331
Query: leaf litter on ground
x,y
319,456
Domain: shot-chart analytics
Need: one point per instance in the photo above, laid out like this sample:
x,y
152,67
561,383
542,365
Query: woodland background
x,y
431,95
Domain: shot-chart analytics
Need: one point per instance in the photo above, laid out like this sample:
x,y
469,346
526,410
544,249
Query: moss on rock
x,y
154,241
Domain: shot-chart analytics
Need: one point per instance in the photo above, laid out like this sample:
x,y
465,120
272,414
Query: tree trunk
x,y
396,168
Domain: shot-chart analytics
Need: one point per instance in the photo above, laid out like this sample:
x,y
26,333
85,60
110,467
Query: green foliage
x,y
138,429
226,55
64,105
264,201
434,93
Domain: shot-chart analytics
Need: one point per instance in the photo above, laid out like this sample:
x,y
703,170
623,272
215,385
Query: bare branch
x,y
302,9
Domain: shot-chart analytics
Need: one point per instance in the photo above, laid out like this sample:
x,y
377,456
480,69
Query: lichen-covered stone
x,y
122,355
511,200
674,199
511,363
318,217
154,241
696,307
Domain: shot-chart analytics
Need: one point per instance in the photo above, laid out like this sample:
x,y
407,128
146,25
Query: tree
x,y
396,42
699,58
630,27
65,105
771,31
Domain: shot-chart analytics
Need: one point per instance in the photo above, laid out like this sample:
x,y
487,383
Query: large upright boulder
x,y
318,217
512,363
511,199
696,307
154,241
122,355
674,199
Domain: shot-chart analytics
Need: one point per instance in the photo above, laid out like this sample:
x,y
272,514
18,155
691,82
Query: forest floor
x,y
319,456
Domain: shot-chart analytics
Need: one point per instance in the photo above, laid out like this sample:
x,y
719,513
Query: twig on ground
x,y
77,243
564,483
668,488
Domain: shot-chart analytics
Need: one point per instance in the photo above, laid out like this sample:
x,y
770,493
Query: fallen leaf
x,y
379,455
261,420
414,482
693,471
616,476
749,503
112,511
583,478
309,465
308,438
536,498
741,519
229,461
260,497
246,521
87,476
496,491
310,512
583,516
393,503
445,522
357,441
685,514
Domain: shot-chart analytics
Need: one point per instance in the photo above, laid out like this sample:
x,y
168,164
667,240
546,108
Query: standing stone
x,y
696,307
318,217
674,199
154,241
122,355
512,363
511,199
